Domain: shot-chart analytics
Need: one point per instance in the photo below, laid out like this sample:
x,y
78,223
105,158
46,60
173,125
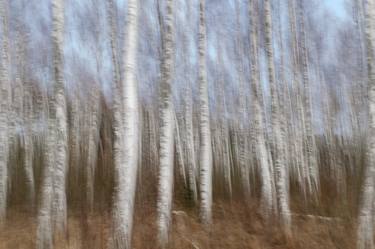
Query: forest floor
x,y
234,226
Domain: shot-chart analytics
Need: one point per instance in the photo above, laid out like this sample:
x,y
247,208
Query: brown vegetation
x,y
234,226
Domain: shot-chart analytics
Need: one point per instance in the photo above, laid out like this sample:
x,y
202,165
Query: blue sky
x,y
337,7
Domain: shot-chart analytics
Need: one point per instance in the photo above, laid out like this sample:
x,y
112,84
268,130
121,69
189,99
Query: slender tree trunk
x,y
299,124
29,147
126,135
45,219
204,125
279,163
189,139
244,167
259,142
4,110
53,209
61,154
178,149
310,139
190,156
365,219
166,153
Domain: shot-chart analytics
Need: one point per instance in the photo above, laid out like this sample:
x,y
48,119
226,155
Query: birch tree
x,y
310,139
279,163
29,146
126,131
45,228
299,160
204,124
244,167
4,109
167,126
53,210
258,116
366,209
61,154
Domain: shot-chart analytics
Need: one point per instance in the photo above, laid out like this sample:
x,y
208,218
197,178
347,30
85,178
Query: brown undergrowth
x,y
234,226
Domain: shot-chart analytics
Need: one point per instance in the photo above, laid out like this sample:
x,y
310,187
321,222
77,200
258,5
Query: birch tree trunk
x,y
45,219
189,140
53,210
279,163
167,127
267,201
61,154
126,135
244,167
4,110
204,124
365,219
310,139
298,144
29,147
188,135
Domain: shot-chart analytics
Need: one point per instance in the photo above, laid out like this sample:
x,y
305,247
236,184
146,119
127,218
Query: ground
x,y
234,226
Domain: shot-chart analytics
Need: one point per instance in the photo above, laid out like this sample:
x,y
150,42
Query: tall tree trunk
x,y
29,147
61,154
204,124
53,210
259,142
45,219
4,110
310,139
126,135
166,153
279,163
365,219
244,167
189,140
190,156
298,144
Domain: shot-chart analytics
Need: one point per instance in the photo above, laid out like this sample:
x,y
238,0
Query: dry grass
x,y
234,226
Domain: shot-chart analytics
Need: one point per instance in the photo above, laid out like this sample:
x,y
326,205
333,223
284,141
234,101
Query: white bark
x,y
299,160
60,112
127,135
166,153
204,125
313,169
279,163
188,135
365,219
4,111
45,228
267,201
189,139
